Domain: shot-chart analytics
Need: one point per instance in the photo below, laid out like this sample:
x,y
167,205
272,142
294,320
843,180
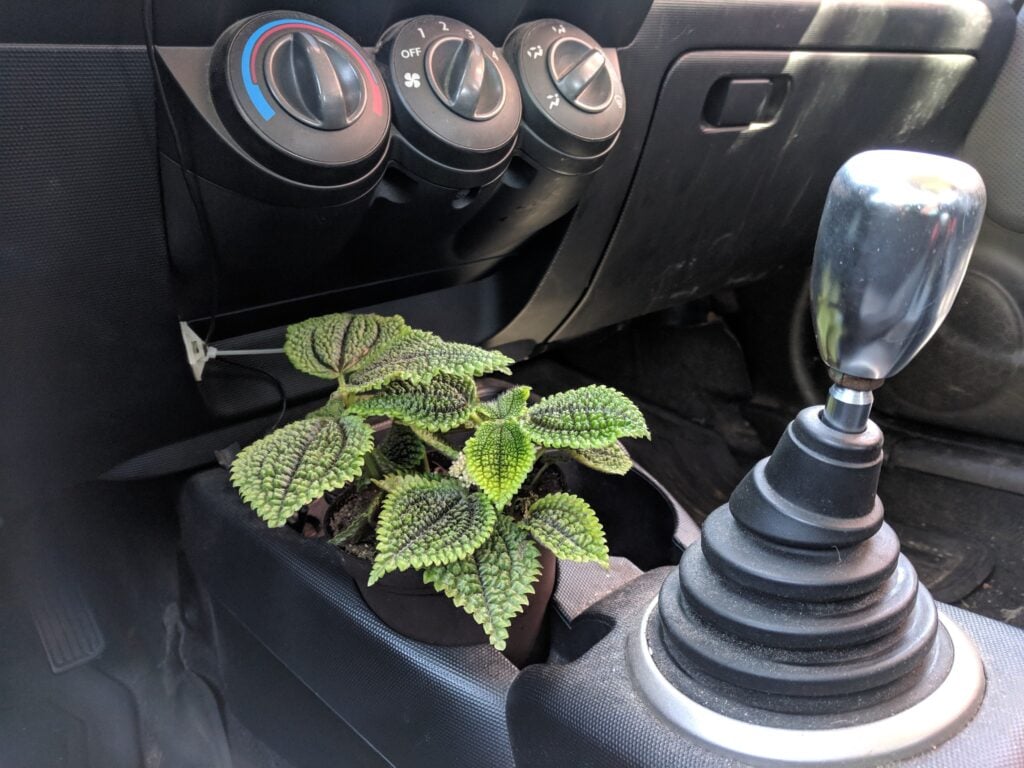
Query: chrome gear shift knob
x,y
893,247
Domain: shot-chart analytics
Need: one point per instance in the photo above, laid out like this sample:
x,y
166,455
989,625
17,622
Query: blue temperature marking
x,y
255,94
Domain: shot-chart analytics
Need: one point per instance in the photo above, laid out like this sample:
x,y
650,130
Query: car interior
x,y
746,215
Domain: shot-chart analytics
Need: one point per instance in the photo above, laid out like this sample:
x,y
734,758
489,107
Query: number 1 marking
x,y
422,33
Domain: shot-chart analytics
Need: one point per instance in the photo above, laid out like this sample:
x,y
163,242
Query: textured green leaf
x,y
429,520
509,404
613,459
332,345
401,451
298,463
589,417
438,404
494,583
419,356
567,526
499,456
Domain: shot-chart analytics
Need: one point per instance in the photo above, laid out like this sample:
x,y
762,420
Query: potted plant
x,y
454,496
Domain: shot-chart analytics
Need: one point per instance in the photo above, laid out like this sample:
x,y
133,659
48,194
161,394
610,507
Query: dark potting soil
x,y
347,507
549,479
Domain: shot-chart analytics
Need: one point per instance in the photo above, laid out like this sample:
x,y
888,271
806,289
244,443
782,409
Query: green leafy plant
x,y
471,517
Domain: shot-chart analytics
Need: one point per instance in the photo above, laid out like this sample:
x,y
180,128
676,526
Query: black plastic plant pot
x,y
415,609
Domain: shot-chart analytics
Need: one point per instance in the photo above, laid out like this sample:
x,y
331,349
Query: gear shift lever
x,y
794,631
892,250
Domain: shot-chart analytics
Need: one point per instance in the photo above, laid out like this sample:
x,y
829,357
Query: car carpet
x,y
102,561
965,540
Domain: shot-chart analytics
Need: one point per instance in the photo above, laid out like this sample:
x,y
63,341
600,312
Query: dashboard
x,y
353,155
324,168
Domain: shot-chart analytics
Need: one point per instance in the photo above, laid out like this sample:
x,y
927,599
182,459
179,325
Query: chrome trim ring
x,y
928,722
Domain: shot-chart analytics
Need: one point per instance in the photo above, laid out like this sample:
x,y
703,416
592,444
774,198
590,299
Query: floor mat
x,y
952,568
954,532
80,717
95,593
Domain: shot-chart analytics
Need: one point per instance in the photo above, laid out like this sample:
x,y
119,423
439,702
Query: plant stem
x,y
540,473
372,466
435,442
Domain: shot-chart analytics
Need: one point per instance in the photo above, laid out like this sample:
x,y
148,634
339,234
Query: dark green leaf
x,y
437,404
401,451
567,526
360,525
419,356
298,463
332,345
494,583
429,520
589,417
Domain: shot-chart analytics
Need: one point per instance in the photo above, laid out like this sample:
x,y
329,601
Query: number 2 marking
x,y
444,27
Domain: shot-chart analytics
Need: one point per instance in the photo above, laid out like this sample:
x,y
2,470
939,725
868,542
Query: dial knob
x,y
573,100
580,72
457,106
464,78
303,99
315,81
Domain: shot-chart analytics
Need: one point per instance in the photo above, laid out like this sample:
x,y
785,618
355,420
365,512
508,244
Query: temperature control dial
x,y
302,97
457,106
316,81
573,101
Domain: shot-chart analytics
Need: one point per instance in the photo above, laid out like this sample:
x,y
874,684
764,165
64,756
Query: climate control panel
x,y
327,167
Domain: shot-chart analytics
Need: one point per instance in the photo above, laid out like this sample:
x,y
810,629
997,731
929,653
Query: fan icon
x,y
412,80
